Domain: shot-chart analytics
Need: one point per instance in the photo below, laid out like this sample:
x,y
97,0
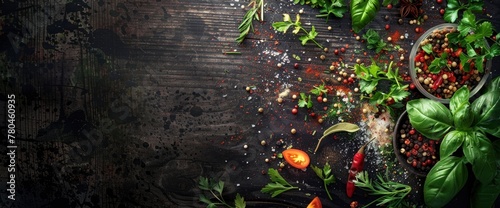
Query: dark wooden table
x,y
127,103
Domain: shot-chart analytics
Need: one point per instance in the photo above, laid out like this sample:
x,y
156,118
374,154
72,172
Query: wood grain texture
x,y
126,103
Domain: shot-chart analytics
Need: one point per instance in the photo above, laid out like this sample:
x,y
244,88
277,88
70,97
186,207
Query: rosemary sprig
x,y
256,12
392,194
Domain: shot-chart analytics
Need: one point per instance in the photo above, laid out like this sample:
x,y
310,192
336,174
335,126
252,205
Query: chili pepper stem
x,y
362,148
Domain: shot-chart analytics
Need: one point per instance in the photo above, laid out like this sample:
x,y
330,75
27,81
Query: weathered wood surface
x,y
126,103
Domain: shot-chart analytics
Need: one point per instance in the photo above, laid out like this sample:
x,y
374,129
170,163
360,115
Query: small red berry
x,y
387,27
296,65
319,99
336,52
412,86
345,81
412,132
389,6
407,141
342,50
418,29
295,111
441,11
312,114
439,1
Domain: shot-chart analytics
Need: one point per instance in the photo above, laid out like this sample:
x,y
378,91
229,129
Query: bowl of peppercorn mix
x,y
438,66
415,152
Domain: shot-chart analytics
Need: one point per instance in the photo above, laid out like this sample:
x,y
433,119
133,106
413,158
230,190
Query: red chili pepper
x,y
451,77
438,82
457,52
357,166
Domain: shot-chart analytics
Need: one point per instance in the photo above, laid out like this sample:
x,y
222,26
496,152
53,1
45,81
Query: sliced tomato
x,y
315,203
297,158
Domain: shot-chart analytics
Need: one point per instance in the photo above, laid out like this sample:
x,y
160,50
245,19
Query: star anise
x,y
410,7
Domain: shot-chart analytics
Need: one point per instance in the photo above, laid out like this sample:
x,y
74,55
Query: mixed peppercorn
x,y
451,75
419,152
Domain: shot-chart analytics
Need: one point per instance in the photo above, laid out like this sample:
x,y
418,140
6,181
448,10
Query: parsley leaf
x,y
371,76
374,41
278,184
239,201
427,48
438,63
297,25
305,101
326,175
319,90
215,189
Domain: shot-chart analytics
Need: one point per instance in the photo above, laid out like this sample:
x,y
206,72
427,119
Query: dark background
x,y
126,103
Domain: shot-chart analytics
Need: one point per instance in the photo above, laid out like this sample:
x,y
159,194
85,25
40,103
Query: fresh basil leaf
x,y
479,151
450,143
363,12
463,118
459,98
444,181
485,195
494,85
431,118
486,111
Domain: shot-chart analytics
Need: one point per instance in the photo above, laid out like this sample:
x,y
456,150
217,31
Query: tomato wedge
x,y
315,203
296,158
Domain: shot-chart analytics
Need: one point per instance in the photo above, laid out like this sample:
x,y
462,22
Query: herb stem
x,y
220,199
326,189
232,53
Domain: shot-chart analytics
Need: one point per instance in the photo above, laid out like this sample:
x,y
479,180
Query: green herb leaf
x,y
363,12
451,142
391,194
246,24
486,109
399,93
278,184
325,175
427,48
204,199
319,90
480,153
374,41
431,118
463,118
467,24
203,183
439,63
444,181
239,201
219,187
